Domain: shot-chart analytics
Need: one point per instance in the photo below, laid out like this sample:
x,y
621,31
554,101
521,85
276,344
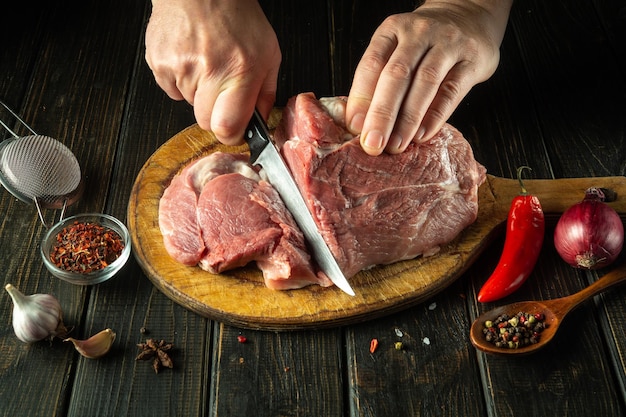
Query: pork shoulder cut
x,y
220,214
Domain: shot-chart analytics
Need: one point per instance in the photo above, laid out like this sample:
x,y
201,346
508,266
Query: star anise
x,y
157,351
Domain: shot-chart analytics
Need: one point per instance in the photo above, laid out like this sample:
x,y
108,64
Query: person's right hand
x,y
221,56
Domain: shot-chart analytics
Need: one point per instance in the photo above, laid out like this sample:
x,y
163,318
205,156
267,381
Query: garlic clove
x,y
36,317
96,346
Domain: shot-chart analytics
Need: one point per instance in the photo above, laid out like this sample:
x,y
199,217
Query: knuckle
x,y
430,74
372,62
450,89
437,114
382,114
399,70
392,22
409,119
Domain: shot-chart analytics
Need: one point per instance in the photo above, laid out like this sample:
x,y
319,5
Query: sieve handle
x,y
18,118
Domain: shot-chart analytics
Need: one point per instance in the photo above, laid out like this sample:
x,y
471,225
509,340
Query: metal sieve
x,y
39,169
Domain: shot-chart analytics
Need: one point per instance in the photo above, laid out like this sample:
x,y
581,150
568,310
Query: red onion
x,y
590,234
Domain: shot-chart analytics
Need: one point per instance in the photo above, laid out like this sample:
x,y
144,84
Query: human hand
x,y
221,56
419,66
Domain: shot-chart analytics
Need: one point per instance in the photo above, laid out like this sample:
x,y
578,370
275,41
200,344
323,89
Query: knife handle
x,y
257,136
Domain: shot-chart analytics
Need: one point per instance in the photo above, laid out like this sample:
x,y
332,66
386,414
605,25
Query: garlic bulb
x,y
96,346
36,317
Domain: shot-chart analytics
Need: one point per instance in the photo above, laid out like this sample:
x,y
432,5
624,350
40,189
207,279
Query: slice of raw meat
x,y
383,209
219,214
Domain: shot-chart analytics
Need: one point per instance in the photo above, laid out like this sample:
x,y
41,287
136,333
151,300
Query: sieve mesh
x,y
38,167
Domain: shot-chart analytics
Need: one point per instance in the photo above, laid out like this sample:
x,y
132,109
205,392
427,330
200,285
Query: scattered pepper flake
x,y
242,339
373,345
85,247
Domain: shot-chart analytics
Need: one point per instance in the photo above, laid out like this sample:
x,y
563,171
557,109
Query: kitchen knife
x,y
263,152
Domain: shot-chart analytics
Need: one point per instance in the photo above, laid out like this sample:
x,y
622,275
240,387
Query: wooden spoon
x,y
553,310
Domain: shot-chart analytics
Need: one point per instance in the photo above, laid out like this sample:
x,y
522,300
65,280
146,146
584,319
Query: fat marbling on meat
x,y
370,210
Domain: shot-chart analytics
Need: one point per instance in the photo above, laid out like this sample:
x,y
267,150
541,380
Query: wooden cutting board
x,y
240,298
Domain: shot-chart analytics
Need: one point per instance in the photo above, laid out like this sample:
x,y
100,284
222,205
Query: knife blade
x,y
263,152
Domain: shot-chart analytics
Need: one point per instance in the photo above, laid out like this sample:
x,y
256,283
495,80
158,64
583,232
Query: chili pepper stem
x,y
519,178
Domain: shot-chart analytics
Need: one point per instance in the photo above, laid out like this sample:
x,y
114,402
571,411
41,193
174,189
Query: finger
x,y
452,90
164,79
203,102
232,112
394,84
431,73
365,79
267,96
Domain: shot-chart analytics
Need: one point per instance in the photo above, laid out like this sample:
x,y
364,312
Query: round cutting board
x,y
239,297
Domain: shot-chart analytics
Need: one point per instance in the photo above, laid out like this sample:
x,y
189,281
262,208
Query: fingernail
x,y
420,134
373,140
395,141
356,124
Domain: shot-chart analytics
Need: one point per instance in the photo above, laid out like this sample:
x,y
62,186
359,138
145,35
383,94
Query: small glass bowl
x,y
96,276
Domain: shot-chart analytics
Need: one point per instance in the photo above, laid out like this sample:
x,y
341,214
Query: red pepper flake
x,y
86,247
373,345
242,339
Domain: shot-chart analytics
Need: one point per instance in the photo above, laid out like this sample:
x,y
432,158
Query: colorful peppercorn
x,y
518,331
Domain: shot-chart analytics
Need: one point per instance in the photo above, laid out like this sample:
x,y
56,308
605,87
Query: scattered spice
x,y
373,345
518,331
242,339
86,247
398,345
157,351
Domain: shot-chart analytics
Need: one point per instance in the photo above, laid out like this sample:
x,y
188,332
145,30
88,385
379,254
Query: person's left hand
x,y
419,66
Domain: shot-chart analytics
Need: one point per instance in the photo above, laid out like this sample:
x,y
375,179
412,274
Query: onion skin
x,y
589,234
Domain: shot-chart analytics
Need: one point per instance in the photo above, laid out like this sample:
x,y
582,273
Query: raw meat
x,y
383,209
220,214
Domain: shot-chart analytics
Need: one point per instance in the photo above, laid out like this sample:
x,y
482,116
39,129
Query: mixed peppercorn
x,y
85,247
518,331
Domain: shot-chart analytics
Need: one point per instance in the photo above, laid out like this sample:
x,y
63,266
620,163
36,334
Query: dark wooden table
x,y
76,71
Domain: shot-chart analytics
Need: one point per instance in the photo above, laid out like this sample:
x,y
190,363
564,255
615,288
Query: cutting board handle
x,y
556,195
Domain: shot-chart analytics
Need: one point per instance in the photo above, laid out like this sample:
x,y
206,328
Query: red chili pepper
x,y
524,237
373,345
